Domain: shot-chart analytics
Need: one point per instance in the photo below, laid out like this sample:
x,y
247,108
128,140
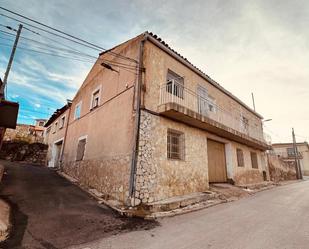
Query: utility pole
x,y
297,162
253,101
6,75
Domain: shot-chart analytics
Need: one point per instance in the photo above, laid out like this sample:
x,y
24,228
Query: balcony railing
x,y
174,92
286,155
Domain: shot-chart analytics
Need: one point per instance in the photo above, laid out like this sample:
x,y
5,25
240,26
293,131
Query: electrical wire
x,y
77,39
75,52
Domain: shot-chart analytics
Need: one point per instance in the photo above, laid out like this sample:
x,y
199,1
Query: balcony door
x,y
202,100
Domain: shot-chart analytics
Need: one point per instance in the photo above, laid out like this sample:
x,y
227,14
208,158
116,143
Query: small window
x,y
55,127
245,124
62,120
41,123
175,84
175,145
254,161
77,110
81,149
211,104
95,99
240,158
290,152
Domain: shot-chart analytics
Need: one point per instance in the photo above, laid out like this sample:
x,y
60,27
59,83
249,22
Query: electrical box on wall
x,y
8,114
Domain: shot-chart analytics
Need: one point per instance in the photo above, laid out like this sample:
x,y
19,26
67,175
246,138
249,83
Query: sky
x,y
247,46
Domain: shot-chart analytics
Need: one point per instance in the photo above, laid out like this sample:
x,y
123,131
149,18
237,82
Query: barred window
x,y
254,161
175,145
240,158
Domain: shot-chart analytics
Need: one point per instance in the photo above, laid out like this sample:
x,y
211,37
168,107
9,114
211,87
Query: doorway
x,y
56,154
216,162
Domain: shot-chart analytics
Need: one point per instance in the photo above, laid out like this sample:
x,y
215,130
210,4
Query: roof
x,y
57,113
290,144
158,41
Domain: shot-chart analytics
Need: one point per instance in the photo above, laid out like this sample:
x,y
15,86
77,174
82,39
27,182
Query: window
x,y
62,120
290,152
240,158
254,161
81,149
175,145
41,123
211,104
175,84
77,110
55,127
244,124
95,99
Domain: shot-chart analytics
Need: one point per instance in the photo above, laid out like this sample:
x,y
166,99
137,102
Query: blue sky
x,y
247,46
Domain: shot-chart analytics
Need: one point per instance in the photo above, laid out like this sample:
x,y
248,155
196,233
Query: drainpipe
x,y
65,133
137,120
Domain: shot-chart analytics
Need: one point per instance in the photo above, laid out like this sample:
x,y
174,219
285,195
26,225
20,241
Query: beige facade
x,y
123,145
286,152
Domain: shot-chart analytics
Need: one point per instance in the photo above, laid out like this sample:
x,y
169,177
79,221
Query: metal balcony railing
x,y
175,92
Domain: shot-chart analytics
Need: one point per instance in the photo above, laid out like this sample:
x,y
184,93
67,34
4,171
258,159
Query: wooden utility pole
x,y
297,162
6,75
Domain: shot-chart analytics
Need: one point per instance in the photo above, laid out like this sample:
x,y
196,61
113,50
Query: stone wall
x,y
280,170
34,153
25,133
108,175
158,177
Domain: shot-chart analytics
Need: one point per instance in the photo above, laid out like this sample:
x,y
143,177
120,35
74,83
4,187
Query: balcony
x,y
199,110
288,155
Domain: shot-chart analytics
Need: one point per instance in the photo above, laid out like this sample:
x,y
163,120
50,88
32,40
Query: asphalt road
x,y
276,218
50,212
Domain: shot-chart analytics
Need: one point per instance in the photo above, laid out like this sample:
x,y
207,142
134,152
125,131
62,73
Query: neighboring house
x,y
55,133
286,152
26,133
155,126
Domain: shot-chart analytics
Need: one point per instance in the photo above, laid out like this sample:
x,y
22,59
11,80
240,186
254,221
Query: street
x,y
50,212
276,218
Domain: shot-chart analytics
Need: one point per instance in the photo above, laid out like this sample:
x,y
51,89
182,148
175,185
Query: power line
x,y
79,40
75,52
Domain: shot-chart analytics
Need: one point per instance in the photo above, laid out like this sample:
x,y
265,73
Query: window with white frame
x,y
211,104
77,112
175,84
95,99
62,120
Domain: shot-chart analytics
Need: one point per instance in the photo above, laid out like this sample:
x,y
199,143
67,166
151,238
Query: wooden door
x,y
216,161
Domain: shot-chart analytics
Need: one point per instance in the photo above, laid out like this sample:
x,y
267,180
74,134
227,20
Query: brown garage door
x,y
216,161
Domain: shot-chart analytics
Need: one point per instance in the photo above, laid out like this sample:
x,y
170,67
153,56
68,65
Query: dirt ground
x,y
50,212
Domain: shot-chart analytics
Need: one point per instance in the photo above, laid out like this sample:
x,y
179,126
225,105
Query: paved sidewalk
x,y
50,212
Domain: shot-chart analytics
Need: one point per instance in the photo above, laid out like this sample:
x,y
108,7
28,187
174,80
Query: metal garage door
x,y
216,161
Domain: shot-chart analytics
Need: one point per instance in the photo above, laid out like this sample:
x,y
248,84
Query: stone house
x,y
26,133
147,125
286,152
